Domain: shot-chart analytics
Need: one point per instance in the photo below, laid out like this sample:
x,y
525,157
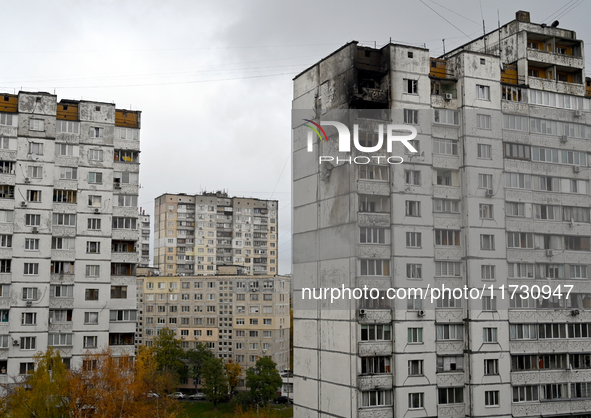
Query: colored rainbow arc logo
x,y
315,130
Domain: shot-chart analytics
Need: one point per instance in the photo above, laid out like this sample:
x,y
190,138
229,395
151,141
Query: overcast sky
x,y
214,79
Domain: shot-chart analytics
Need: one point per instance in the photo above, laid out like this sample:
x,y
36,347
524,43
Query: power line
x,y
558,11
568,10
161,84
437,13
279,178
467,18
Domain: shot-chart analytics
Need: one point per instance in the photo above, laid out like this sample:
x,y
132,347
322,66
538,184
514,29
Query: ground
x,y
206,410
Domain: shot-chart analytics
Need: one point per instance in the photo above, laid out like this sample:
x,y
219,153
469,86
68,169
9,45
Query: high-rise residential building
x,y
196,234
144,225
68,219
240,318
498,194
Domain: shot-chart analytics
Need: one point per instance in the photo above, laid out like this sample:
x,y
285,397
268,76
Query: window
x,y
93,247
375,365
554,391
94,224
26,368
57,340
580,390
447,269
487,272
487,242
416,400
411,116
125,200
28,343
375,267
125,223
64,196
484,151
450,395
34,172
446,177
523,332
412,177
374,204
489,303
94,201
413,239
91,318
6,216
520,240
118,292
92,271
90,342
91,294
450,363
95,178
483,92
491,398
36,125
68,173
30,293
126,156
6,242
485,181
449,302
445,146
486,211
34,195
372,235
31,269
446,206
64,219
491,367
410,86
415,144
6,192
29,318
64,150
95,155
483,122
414,271
6,119
515,209
376,398
373,172
447,237
415,367
450,332
413,208
415,335
61,291
376,332
95,132
446,116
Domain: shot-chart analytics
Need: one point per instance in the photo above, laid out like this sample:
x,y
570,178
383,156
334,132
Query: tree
x,y
263,380
169,353
42,393
196,358
215,385
233,372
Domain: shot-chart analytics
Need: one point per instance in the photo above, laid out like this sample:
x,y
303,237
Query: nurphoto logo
x,y
392,134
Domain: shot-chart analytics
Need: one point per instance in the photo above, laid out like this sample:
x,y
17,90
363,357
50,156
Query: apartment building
x,y
195,234
68,215
238,317
144,225
497,194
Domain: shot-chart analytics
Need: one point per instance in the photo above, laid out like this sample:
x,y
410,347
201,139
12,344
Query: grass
x,y
225,410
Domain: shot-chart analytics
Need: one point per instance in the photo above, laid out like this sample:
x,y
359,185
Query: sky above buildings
x,y
213,79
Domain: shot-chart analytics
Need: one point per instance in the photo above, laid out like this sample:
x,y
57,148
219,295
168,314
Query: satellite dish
x,y
555,24
34,157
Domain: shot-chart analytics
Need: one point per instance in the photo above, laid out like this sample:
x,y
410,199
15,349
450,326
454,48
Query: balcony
x,y
60,303
371,381
550,408
374,348
552,58
451,411
375,316
377,412
556,86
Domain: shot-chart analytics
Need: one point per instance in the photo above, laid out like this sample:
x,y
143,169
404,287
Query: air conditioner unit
x,y
27,180
117,185
576,169
490,192
35,230
23,204
29,303
182,337
361,312
564,139
448,96
171,289
421,313
96,211
578,113
15,342
549,253
575,312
